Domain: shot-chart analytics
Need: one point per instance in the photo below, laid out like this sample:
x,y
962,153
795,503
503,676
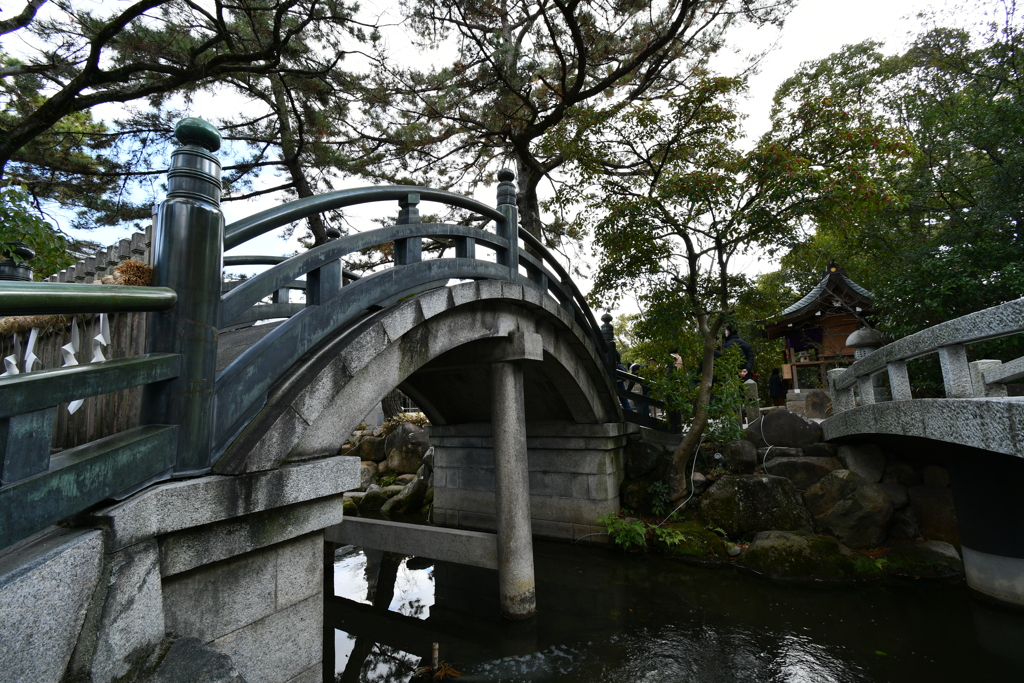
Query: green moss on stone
x,y
926,560
799,555
689,540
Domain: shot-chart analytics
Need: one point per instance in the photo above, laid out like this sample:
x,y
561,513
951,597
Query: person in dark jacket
x,y
777,388
747,364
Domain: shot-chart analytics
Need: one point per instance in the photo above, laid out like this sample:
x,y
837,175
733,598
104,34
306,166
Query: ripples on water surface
x,y
604,617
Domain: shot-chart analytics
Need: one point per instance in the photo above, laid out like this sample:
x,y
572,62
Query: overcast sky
x,y
814,30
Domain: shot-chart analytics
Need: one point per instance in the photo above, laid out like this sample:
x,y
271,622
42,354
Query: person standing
x,y
640,388
747,364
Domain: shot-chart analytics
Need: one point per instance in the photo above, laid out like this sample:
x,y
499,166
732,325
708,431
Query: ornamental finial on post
x,y
509,228
506,187
195,169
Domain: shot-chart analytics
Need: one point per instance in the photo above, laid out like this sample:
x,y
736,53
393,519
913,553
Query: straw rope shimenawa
x,y
131,273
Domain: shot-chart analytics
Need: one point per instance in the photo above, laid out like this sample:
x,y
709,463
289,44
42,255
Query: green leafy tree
x,y
158,54
290,121
20,222
673,203
949,242
529,82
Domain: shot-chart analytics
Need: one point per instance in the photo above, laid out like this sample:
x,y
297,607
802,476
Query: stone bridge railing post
x,y
956,371
842,399
187,248
510,230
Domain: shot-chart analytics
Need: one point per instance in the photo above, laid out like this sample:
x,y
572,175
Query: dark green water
x,y
607,617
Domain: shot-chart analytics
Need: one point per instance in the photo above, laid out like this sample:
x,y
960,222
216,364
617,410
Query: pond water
x,y
604,616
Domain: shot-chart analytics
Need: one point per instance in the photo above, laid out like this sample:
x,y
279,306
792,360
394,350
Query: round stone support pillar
x,y
990,518
516,583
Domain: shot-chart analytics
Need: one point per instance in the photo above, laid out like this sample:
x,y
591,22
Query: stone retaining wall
x,y
575,472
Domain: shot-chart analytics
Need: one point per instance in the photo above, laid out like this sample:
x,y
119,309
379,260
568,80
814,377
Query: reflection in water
x,y
605,617
387,583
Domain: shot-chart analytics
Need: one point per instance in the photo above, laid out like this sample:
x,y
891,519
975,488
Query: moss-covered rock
x,y
349,507
926,560
742,505
799,555
689,541
851,508
375,497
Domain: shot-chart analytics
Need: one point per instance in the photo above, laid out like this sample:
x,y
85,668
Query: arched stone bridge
x,y
229,482
978,429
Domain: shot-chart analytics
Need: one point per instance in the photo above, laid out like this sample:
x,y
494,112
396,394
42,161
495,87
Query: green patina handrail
x,y
246,229
48,298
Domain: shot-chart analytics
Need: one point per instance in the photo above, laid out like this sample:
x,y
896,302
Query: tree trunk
x,y
392,404
679,479
528,201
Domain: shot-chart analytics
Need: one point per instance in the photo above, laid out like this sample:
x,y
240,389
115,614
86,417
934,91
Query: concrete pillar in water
x,y
990,517
516,583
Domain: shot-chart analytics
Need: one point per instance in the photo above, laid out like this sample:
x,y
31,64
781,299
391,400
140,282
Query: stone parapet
x,y
234,562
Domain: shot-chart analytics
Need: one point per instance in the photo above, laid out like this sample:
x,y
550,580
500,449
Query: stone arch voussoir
x,y
318,403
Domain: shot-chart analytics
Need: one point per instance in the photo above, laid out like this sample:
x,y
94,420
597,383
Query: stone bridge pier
x,y
203,575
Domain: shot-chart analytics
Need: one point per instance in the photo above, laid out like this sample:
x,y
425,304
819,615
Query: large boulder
x,y
803,472
926,560
367,474
783,428
375,497
743,505
740,457
902,528
405,447
854,510
820,450
349,505
641,457
865,459
689,541
931,509
817,404
805,556
409,499
767,454
371,448
897,495
900,472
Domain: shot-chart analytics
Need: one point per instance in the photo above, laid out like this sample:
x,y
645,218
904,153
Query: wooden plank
x,y
82,477
35,391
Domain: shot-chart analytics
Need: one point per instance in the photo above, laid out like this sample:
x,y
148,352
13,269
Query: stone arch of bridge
x,y
436,347
980,443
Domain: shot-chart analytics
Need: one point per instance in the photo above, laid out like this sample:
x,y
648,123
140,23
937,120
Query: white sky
x,y
815,29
